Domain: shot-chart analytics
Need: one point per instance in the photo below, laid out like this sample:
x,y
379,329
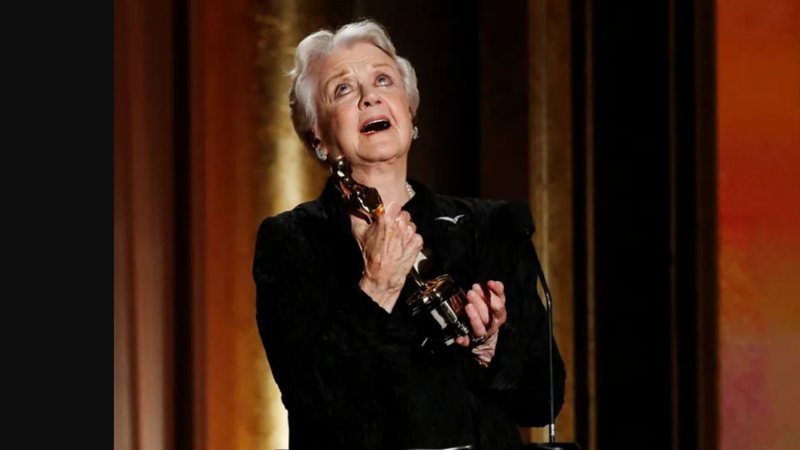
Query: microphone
x,y
522,220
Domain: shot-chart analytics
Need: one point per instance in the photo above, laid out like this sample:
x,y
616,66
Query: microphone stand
x,y
552,444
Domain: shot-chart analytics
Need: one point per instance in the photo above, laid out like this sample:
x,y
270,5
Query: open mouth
x,y
375,125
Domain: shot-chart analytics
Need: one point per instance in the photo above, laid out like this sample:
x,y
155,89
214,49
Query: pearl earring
x,y
322,155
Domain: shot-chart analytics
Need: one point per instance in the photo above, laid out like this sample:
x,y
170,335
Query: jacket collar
x,y
422,207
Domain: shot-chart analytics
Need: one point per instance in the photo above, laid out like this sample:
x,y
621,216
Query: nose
x,y
369,98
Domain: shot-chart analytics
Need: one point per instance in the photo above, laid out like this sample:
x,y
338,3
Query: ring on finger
x,y
479,340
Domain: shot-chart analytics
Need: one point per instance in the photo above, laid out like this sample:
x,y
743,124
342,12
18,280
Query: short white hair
x,y
323,43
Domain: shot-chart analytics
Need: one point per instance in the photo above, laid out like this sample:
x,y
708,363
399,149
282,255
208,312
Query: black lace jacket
x,y
352,376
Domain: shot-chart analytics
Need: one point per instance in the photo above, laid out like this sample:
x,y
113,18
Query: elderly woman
x,y
332,288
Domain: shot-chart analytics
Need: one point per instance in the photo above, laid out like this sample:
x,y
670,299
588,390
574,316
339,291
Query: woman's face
x,y
362,107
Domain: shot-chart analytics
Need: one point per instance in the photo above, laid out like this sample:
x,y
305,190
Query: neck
x,y
389,180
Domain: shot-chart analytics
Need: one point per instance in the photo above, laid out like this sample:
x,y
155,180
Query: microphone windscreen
x,y
518,216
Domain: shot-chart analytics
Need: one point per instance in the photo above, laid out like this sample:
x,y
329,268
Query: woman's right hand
x,y
389,247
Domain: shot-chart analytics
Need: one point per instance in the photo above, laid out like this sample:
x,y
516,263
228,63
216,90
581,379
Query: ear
x,y
313,134
314,140
317,133
318,137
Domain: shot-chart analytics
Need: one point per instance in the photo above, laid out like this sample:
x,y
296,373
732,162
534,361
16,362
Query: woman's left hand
x,y
487,312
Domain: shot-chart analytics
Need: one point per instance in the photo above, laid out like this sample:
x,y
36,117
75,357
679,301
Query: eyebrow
x,y
333,77
383,65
